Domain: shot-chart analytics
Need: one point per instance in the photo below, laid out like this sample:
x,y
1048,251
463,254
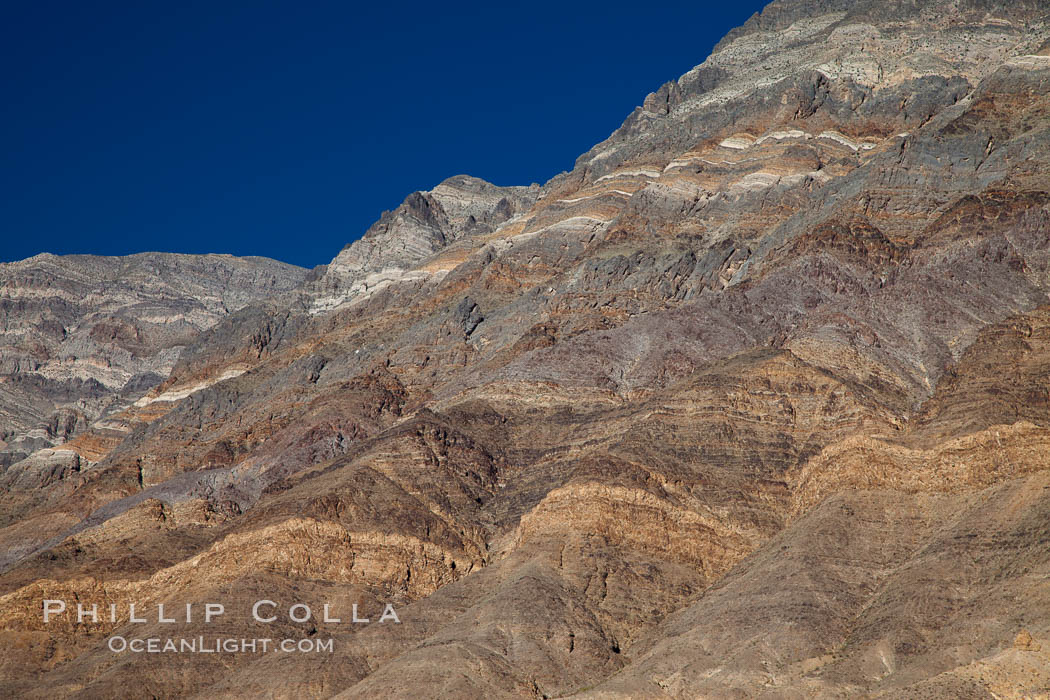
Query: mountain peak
x,y
752,402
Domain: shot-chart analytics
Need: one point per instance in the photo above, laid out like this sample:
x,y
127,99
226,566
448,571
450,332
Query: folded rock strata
x,y
752,402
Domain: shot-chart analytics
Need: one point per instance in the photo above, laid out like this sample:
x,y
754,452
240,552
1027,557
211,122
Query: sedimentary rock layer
x,y
752,402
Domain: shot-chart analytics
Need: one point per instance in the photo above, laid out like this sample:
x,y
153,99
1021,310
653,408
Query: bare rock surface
x,y
80,335
753,402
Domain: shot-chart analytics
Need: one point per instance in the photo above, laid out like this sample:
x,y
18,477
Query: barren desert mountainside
x,y
752,403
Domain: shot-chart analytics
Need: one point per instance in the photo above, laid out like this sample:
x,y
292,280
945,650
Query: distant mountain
x,y
83,335
753,402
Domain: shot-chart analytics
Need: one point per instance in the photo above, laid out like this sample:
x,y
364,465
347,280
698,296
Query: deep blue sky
x,y
285,128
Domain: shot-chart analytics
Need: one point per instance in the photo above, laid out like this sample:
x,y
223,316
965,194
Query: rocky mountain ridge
x,y
82,335
751,403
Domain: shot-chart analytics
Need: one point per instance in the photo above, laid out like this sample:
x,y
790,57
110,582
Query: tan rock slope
x,y
754,402
83,335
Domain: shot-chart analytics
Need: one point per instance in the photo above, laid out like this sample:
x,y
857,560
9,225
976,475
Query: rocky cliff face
x,y
425,223
83,335
753,402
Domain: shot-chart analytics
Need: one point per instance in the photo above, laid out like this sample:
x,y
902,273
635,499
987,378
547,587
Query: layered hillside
x,y
84,335
753,402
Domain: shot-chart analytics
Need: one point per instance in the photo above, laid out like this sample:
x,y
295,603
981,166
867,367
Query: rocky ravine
x,y
753,402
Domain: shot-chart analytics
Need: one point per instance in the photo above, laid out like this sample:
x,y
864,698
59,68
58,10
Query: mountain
x,y
84,335
753,402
